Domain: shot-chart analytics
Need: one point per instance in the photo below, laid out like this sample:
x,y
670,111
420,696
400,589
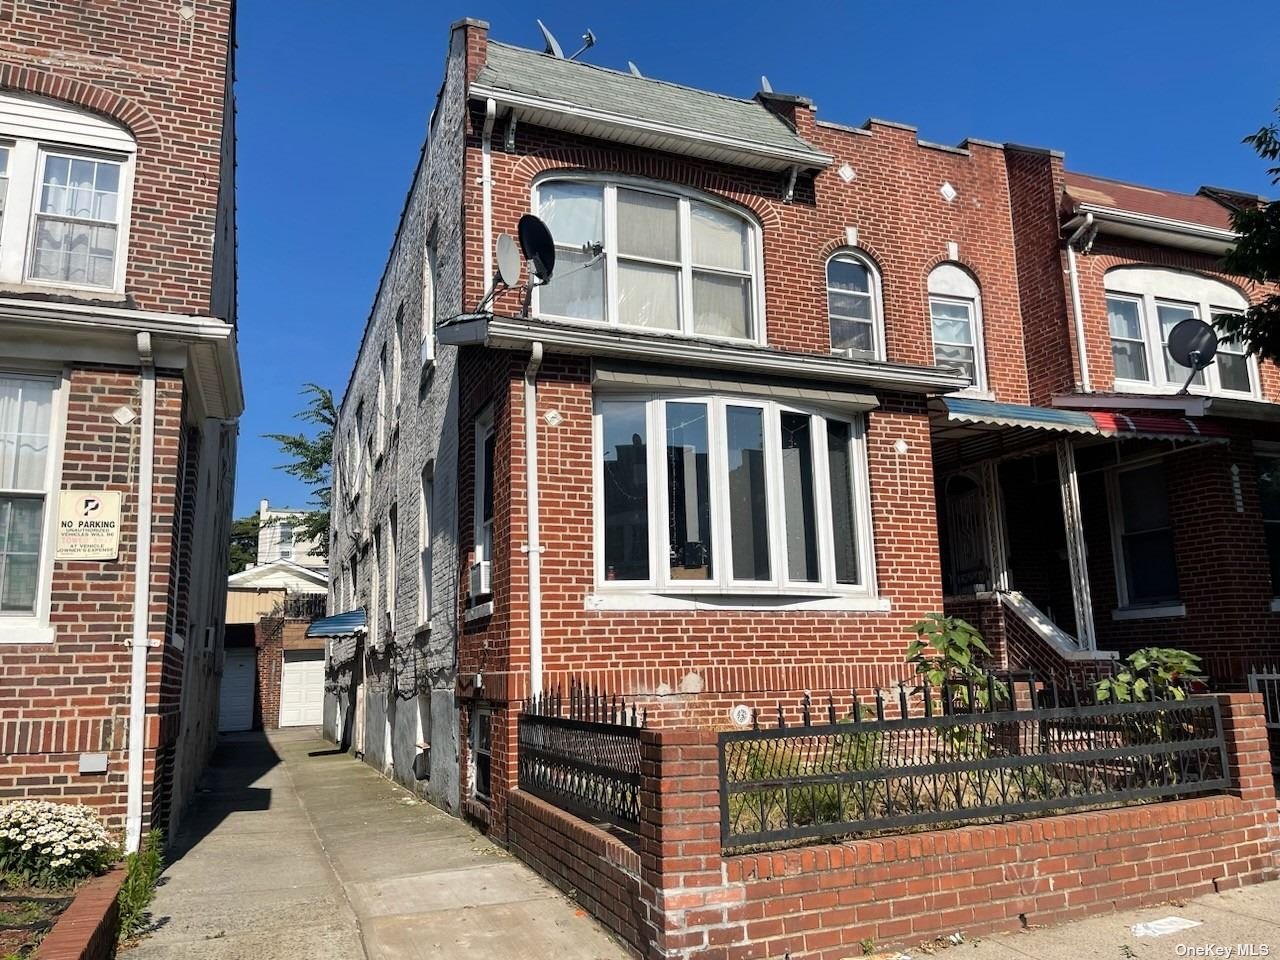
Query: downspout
x,y
1082,353
140,640
486,187
533,547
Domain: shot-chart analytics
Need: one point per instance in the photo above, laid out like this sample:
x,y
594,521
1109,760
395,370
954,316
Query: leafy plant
x,y
311,459
948,650
52,845
1152,673
142,874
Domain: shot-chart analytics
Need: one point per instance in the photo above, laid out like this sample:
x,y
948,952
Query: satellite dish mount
x,y
1192,343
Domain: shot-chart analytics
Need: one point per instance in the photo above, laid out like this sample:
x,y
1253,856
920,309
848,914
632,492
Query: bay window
x,y
640,256
1144,304
715,494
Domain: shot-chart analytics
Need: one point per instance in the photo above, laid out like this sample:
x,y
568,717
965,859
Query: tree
x,y
1256,256
244,543
311,458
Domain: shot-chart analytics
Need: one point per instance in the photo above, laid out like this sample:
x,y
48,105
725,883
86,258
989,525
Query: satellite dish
x,y
635,71
588,41
1192,343
553,45
508,261
765,85
538,246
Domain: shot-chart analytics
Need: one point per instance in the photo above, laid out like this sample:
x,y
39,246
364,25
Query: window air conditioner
x,y
480,578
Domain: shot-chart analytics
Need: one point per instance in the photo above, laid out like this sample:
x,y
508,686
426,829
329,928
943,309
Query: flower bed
x,y
26,915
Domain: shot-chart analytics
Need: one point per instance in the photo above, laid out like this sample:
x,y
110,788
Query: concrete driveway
x,y
293,850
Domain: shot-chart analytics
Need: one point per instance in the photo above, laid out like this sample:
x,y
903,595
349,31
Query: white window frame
x,y
35,128
393,550
375,585
381,427
1127,609
482,531
952,282
35,627
426,490
1151,286
427,348
609,185
396,365
477,712
854,255
660,591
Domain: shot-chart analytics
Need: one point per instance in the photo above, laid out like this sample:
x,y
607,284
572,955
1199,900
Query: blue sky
x,y
333,101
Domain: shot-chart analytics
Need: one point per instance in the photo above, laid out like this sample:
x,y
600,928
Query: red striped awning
x,y
1156,427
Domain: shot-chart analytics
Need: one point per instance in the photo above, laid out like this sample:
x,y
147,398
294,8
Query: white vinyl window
x,y
481,752
1144,304
1142,537
428,349
27,468
424,546
483,509
396,364
65,184
715,494
380,428
286,541
393,571
955,315
375,590
853,306
638,255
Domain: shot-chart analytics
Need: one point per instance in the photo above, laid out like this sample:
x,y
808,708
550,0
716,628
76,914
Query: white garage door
x,y
302,688
235,702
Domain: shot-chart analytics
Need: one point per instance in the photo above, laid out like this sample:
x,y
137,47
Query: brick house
x,y
836,329
119,389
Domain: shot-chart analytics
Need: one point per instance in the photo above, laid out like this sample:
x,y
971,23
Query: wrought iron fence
x,y
952,764
582,754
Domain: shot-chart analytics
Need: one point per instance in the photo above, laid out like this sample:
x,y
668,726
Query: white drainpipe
x,y
140,640
1077,309
486,187
534,545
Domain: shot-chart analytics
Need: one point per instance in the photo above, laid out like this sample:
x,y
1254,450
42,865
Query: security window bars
x,y
716,494
1144,535
77,221
26,414
852,307
667,261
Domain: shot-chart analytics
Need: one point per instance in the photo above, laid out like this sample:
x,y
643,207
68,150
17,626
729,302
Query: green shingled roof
x,y
641,99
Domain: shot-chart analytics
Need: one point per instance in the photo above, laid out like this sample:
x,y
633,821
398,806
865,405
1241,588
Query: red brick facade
x,y
166,79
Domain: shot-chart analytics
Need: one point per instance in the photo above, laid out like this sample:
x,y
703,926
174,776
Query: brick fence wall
x,y
823,901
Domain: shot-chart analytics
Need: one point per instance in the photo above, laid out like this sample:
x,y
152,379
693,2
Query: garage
x,y
302,688
235,701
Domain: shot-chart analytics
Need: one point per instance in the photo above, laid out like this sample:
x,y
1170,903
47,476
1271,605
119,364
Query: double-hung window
x,y
65,182
643,256
483,510
428,347
853,307
955,317
715,494
1147,574
424,545
27,464
1144,304
481,752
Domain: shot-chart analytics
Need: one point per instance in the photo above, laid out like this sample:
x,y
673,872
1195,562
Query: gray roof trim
x,y
506,333
1173,233
575,118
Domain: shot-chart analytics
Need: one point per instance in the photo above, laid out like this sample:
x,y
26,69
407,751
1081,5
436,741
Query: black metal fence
x,y
582,754
953,764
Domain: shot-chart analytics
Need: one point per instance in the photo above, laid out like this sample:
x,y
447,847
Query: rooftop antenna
x,y
1192,343
553,45
588,41
635,71
765,85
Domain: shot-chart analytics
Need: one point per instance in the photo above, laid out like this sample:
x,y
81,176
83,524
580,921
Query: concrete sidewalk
x,y
1239,923
294,850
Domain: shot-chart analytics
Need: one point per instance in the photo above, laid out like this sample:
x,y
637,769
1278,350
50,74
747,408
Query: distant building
x,y
279,539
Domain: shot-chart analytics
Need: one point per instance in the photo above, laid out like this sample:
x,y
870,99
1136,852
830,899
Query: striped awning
x,y
990,415
339,625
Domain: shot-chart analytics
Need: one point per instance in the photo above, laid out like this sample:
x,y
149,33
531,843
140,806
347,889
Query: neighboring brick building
x,y
120,384
837,334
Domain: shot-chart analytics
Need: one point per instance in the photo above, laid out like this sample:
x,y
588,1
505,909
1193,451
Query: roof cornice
x,y
505,333
676,139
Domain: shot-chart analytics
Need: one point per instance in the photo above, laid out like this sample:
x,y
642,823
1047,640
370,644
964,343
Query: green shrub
x,y
950,650
142,874
52,845
1152,673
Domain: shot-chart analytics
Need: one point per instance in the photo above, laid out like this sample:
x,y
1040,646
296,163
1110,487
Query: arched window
x,y
853,306
1144,304
955,313
650,256
65,184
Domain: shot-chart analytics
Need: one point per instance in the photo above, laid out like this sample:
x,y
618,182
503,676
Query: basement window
x,y
481,753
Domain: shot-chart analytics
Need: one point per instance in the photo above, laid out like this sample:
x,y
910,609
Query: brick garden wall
x,y
822,901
